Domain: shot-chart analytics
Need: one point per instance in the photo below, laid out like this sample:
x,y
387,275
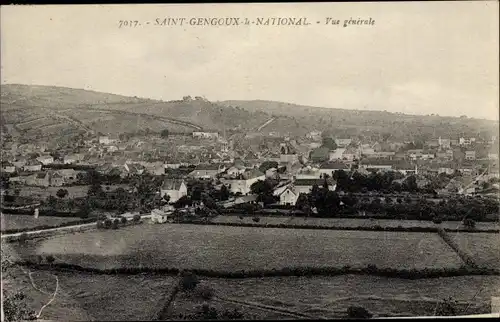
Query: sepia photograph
x,y
250,161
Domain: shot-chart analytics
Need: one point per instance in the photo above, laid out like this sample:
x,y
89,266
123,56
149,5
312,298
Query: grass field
x,y
107,298
350,222
484,248
331,296
73,191
27,221
237,248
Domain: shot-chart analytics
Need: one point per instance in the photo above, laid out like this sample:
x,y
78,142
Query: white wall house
x,y
174,188
289,196
242,183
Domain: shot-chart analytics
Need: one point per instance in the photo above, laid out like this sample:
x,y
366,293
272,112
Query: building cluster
x,y
298,163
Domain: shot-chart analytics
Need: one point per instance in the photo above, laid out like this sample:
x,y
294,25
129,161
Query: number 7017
x,y
128,23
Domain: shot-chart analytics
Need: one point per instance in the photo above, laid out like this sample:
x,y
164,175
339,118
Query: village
x,y
269,171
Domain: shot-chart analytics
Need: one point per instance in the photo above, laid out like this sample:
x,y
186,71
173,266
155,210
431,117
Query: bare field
x,y
244,248
484,248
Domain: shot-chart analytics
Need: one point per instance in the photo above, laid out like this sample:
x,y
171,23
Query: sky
x,y
417,58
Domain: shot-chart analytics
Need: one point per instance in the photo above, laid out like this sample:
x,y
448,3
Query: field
x,y
104,298
73,191
349,222
27,221
331,296
484,248
238,248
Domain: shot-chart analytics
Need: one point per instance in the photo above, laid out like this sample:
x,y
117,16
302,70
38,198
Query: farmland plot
x,y
484,248
27,221
331,296
244,248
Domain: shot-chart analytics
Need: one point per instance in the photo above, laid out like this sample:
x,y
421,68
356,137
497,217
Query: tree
x,y
95,190
123,220
224,193
329,143
469,223
357,312
164,133
266,165
115,223
50,259
61,193
136,218
108,223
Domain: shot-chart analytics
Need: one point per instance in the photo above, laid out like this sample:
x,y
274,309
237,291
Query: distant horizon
x,y
90,89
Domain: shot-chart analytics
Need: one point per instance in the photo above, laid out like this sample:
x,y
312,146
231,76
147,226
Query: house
x,y
207,171
45,159
331,167
8,167
308,173
174,188
241,183
272,173
320,154
134,168
41,179
492,156
288,153
20,162
32,166
206,135
236,170
376,165
288,196
155,168
466,141
105,140
314,135
172,164
336,154
159,216
69,176
56,179
350,154
306,185
405,168
444,143
343,142
73,158
470,155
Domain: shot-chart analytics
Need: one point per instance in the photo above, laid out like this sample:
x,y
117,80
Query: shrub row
x,y
343,213
287,271
42,227
364,228
463,255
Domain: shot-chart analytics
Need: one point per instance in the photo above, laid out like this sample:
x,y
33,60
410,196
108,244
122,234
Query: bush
x,y
108,223
358,312
100,224
50,259
136,218
23,237
123,220
116,223
188,281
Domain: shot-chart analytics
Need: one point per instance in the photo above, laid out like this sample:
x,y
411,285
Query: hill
x,y
343,122
38,112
